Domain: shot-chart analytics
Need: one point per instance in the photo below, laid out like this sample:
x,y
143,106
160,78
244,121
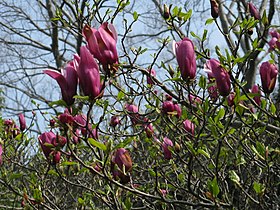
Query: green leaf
x,y
259,188
152,172
135,15
234,177
220,115
82,98
58,103
53,172
15,176
187,15
203,152
213,187
195,36
127,203
202,82
81,201
272,108
69,163
209,21
175,11
121,95
97,144
204,36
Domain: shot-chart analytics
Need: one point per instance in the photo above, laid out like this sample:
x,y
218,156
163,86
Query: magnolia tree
x,y
124,136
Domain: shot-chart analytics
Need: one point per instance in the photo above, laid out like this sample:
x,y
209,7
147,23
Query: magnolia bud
x,y
166,13
214,8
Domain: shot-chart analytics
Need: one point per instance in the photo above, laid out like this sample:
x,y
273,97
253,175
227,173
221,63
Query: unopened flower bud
x,y
166,13
214,8
177,147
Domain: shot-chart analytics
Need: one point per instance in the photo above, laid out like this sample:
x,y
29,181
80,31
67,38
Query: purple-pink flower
x,y
88,73
22,122
169,107
221,76
102,43
254,11
186,58
115,120
67,81
268,72
255,89
167,143
189,126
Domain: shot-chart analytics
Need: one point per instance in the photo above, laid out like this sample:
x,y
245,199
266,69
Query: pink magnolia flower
x,y
166,150
149,130
66,117
268,72
123,159
47,138
254,11
230,99
275,33
186,58
102,43
272,43
67,81
85,127
114,121
189,126
257,99
22,122
88,73
221,76
169,107
133,113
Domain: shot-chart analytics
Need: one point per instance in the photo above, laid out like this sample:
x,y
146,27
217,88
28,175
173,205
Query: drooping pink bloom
x,y
221,76
22,122
255,89
167,143
169,107
186,58
189,126
254,11
152,73
230,99
275,40
102,43
67,81
123,159
56,156
133,113
49,141
268,73
88,73
194,99
47,138
275,33
178,109
66,117
272,43
115,120
149,130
